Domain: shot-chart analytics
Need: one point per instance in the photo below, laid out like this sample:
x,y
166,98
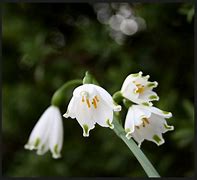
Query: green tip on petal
x,y
85,130
37,142
158,140
166,112
146,104
137,74
152,84
153,97
168,127
56,153
56,149
109,124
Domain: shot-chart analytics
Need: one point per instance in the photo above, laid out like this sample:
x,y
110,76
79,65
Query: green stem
x,y
143,160
58,97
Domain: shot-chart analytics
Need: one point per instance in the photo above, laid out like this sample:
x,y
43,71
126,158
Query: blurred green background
x,y
45,45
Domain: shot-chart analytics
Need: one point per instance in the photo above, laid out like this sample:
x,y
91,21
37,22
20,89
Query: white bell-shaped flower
x,y
91,104
146,122
47,133
138,89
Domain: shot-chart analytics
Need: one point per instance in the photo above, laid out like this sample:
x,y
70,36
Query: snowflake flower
x,y
91,104
146,122
138,89
47,133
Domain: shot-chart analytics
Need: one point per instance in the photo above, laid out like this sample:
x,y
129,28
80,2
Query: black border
x,y
1,143
95,1
106,1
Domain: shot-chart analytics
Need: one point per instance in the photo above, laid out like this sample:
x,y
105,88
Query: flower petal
x,y
159,112
103,115
85,118
104,95
40,132
129,92
56,137
148,95
43,149
138,89
71,110
129,122
88,88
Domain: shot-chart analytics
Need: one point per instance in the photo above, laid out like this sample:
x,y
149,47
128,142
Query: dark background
x,y
45,45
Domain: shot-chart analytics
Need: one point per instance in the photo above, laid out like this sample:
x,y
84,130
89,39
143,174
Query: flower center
x,y
144,122
86,99
140,88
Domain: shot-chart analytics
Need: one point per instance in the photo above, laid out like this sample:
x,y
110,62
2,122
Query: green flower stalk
x,y
58,97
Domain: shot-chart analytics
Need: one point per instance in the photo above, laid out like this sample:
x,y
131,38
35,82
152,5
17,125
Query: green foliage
x,y
45,45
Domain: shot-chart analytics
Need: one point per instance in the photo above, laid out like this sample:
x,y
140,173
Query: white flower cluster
x,y
91,104
120,18
143,121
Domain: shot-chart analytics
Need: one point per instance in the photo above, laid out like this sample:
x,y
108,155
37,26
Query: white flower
x,y
146,122
138,89
47,133
91,104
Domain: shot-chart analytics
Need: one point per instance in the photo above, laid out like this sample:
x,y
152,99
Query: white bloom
x,y
91,104
47,133
138,89
146,122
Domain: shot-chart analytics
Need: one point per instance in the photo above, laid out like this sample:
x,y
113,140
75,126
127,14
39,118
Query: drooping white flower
x,y
138,89
47,133
91,104
146,122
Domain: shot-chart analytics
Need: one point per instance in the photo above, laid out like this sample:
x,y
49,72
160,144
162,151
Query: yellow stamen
x,y
146,120
140,88
83,99
94,103
88,102
143,124
96,98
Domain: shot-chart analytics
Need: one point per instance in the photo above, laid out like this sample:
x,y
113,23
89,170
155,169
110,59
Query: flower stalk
x,y
140,156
